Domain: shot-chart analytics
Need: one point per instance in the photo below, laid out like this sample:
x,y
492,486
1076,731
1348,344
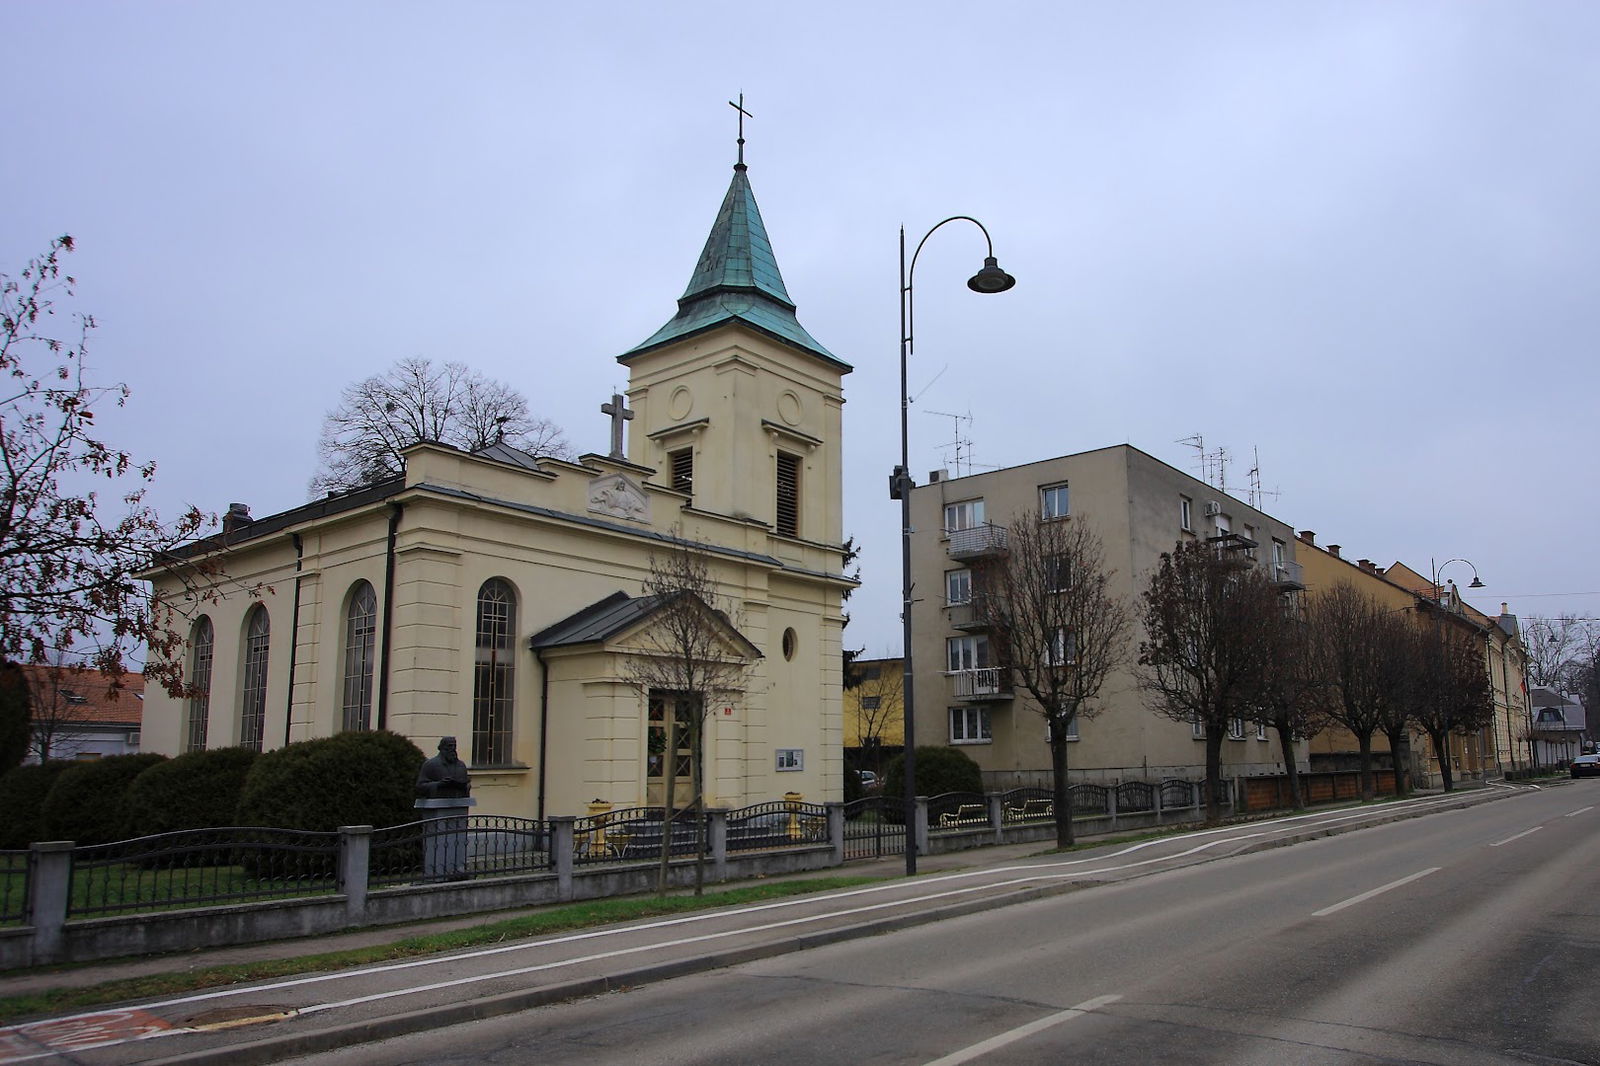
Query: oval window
x,y
789,642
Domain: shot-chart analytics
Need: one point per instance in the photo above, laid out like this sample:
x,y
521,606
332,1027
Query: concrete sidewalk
x,y
42,979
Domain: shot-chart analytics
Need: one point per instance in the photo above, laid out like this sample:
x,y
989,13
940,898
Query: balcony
x,y
983,685
967,617
1287,576
977,542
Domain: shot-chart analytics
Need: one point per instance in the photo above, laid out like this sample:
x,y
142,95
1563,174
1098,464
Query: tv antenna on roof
x,y
960,443
1257,493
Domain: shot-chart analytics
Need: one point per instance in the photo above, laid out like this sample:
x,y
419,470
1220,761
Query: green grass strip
x,y
542,923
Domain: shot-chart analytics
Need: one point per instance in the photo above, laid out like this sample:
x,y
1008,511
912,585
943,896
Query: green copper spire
x,y
737,279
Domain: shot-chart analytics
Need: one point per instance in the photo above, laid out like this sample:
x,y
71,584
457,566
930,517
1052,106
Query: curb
x,y
272,1049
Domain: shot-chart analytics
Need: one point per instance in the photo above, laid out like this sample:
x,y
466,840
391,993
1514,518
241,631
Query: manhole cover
x,y
242,1014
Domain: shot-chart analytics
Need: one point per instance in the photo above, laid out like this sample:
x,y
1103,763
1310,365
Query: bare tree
x,y
1048,603
59,711
1360,651
1455,697
68,558
691,658
1288,699
880,700
412,401
1207,614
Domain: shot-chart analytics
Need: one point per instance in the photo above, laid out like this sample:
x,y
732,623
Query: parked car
x,y
1586,766
869,780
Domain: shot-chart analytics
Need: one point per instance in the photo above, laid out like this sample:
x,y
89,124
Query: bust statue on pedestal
x,y
444,776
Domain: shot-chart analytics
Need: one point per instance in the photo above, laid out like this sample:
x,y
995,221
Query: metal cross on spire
x,y
618,410
743,114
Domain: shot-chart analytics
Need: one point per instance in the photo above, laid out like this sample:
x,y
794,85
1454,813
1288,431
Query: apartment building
x,y
1139,507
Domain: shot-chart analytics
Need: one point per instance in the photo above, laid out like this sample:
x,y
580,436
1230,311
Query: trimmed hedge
x,y
22,793
939,770
195,790
356,778
16,715
88,802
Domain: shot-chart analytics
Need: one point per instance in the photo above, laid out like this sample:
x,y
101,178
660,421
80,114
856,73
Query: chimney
x,y
238,517
1333,550
1505,608
1309,537
1366,564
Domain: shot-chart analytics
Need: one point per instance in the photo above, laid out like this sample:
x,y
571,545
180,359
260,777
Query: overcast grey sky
x,y
1359,237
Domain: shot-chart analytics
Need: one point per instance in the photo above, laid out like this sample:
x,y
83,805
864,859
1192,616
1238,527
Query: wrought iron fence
x,y
778,824
201,867
1135,796
951,811
458,848
1090,799
13,887
1177,795
874,826
1022,805
634,833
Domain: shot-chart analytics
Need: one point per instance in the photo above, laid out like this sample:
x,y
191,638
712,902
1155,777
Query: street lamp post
x,y
1438,633
991,279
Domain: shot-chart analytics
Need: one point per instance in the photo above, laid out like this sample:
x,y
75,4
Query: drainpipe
x,y
395,511
294,634
544,722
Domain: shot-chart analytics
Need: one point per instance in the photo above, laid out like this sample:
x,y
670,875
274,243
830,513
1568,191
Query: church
x,y
497,596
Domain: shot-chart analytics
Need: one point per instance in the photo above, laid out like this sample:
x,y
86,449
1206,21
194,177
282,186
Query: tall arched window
x,y
360,626
493,674
202,643
253,705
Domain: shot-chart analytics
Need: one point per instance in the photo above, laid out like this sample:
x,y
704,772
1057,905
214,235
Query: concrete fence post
x,y
919,826
562,847
1157,804
717,841
49,890
997,816
836,831
355,870
1111,805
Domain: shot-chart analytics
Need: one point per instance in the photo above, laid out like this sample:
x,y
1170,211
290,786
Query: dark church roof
x,y
604,619
737,280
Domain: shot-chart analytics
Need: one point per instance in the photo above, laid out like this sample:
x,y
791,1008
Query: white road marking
x,y
1060,867
1353,900
1519,836
1580,810
967,1054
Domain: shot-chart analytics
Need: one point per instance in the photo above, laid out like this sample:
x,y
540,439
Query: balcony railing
x,y
977,541
1287,575
968,617
984,683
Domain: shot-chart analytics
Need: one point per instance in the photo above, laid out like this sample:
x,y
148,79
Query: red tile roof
x,y
100,702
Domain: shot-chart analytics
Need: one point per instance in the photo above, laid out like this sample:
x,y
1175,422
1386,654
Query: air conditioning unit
x,y
1213,508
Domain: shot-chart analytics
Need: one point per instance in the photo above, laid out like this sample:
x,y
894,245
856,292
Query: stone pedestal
x,y
444,837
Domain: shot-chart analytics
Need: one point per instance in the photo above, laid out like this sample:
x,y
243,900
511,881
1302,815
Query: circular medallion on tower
x,y
680,403
789,408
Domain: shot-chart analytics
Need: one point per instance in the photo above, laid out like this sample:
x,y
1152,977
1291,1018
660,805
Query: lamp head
x,y
1476,584
991,278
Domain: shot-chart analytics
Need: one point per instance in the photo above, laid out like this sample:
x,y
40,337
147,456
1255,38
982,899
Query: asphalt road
x,y
1460,938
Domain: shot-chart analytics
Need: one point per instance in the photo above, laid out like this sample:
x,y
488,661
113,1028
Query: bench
x,y
1034,808
966,814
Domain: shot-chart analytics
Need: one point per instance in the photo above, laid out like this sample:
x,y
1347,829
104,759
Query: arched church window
x,y
360,627
494,674
202,645
253,705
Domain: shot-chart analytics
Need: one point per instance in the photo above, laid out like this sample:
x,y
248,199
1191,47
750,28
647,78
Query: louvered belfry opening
x,y
683,470
788,495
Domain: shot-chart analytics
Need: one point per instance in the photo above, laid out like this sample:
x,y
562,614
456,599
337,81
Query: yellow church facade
x,y
497,597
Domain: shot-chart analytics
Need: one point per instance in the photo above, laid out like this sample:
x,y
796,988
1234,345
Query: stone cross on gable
x,y
618,410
